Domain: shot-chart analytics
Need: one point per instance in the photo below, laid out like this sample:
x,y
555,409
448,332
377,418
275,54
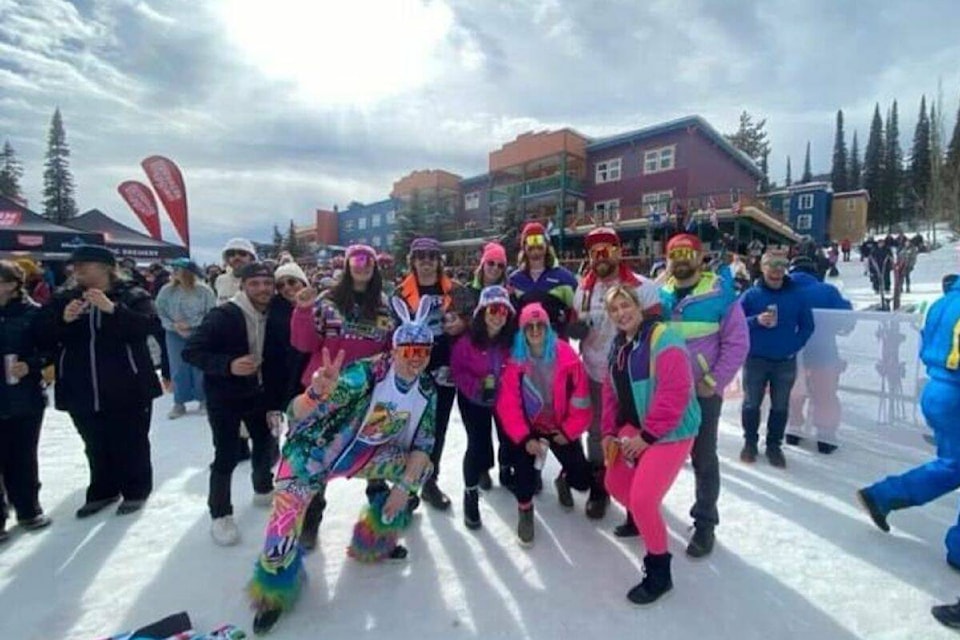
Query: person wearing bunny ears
x,y
375,420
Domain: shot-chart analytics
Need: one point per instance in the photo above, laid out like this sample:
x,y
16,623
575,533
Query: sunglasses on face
x,y
777,264
684,254
232,253
536,241
497,265
414,350
283,283
535,327
498,310
361,260
603,252
426,255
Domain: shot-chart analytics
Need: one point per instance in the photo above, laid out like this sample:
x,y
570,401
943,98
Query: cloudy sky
x,y
273,109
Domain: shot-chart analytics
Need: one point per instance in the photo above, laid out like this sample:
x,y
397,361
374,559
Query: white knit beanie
x,y
291,270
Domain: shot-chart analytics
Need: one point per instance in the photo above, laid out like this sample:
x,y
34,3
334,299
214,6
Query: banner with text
x,y
167,181
143,203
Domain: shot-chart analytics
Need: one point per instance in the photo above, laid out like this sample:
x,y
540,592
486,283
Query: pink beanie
x,y
533,312
494,252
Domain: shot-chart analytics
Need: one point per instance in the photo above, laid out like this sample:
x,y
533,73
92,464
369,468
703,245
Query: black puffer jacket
x,y
102,359
21,333
281,375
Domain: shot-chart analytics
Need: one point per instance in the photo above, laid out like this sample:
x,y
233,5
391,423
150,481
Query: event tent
x,y
26,233
127,242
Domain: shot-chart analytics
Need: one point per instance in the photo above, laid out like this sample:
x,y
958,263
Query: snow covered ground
x,y
796,558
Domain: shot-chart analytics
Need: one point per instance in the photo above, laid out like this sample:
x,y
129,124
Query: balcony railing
x,y
532,188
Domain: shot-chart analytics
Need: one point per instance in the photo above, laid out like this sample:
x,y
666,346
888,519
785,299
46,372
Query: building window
x,y
471,201
804,222
806,201
607,171
656,200
851,204
348,225
389,240
375,242
375,220
361,223
606,211
656,160
391,217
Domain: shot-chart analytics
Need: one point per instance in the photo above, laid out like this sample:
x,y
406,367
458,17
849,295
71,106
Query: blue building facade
x,y
805,207
373,224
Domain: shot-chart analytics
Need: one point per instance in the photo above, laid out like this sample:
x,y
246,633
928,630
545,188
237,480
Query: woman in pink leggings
x,y
649,420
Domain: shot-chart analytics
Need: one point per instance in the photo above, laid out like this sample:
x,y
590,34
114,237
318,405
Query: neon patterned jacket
x,y
334,440
517,399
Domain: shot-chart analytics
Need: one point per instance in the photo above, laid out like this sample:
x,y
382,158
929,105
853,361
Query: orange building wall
x,y
534,146
848,216
426,179
327,227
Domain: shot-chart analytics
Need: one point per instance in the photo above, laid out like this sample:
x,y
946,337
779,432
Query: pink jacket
x,y
571,397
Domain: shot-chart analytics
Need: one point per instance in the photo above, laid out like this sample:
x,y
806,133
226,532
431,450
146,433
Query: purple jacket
x,y
713,325
470,364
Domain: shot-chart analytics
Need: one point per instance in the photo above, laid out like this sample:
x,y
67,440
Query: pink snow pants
x,y
642,488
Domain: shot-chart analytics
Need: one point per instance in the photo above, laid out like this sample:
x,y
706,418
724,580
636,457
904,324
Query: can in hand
x,y
10,359
772,310
541,458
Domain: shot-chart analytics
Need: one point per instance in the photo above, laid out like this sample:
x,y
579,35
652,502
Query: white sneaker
x,y
263,499
224,531
178,411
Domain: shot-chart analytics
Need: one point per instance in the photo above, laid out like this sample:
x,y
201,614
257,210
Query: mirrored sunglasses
x,y
426,255
414,350
361,260
682,253
498,309
777,263
536,241
603,251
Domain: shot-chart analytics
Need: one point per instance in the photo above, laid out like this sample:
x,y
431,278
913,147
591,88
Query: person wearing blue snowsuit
x,y
940,403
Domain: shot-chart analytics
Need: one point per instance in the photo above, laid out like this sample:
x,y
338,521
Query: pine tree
x,y
951,172
936,197
411,223
292,245
893,170
873,159
807,173
788,181
765,169
58,202
838,174
10,172
277,240
853,166
920,169
750,138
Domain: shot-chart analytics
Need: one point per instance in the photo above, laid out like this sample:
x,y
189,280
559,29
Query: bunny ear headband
x,y
412,331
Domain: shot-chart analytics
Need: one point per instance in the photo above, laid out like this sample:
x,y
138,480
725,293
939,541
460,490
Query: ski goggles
x,y
535,241
414,350
498,309
604,251
682,254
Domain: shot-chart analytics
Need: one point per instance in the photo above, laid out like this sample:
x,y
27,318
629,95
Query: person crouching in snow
x,y
650,418
544,404
373,420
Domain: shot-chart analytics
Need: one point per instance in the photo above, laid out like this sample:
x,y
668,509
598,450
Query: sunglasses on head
x,y
498,265
498,309
235,253
535,327
414,350
536,241
682,253
283,283
426,255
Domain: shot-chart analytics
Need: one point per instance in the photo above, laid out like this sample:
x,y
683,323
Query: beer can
x,y
541,458
9,360
772,309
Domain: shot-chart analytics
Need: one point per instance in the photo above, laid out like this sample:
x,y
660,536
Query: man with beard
x,y
596,332
540,278
703,307
229,348
427,279
236,253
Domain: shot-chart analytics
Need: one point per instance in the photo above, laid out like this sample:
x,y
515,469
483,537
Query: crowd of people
x,y
358,378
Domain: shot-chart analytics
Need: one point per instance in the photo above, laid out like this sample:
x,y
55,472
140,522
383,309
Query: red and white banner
x,y
10,218
144,204
167,181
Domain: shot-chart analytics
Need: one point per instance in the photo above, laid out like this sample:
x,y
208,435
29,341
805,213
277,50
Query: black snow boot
x,y
471,508
525,526
656,580
627,529
599,499
701,543
265,619
311,522
947,614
